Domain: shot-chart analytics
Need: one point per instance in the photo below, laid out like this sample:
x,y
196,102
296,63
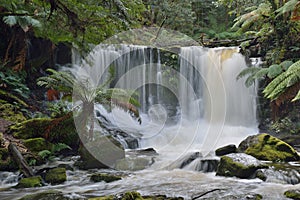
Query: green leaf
x,y
44,154
10,20
274,70
286,64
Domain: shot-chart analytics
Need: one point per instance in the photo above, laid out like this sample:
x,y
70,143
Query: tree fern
x,y
283,81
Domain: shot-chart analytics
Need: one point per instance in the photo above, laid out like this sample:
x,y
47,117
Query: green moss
x,y
56,130
293,194
35,181
272,149
56,175
132,196
10,112
8,165
105,177
37,144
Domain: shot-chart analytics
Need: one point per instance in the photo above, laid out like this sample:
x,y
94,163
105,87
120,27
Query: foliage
x,y
56,148
286,125
83,90
271,72
284,81
13,81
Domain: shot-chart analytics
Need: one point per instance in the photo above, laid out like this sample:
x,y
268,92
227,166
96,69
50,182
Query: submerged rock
x,y
46,195
35,181
231,148
56,176
266,147
238,164
104,177
105,152
293,194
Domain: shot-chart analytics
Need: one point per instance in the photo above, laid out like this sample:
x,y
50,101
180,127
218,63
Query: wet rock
x,y
46,195
207,165
104,177
238,164
226,150
293,194
30,182
189,158
56,176
37,144
250,196
266,147
148,151
105,152
283,173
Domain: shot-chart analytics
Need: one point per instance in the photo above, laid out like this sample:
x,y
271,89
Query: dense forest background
x,y
39,34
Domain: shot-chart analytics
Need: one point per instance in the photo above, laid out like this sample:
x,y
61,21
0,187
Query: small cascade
x,y
8,179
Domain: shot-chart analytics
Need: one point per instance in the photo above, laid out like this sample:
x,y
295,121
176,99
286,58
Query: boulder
x,y
46,195
6,162
293,194
37,144
35,181
98,177
238,164
231,148
266,147
101,153
56,176
57,130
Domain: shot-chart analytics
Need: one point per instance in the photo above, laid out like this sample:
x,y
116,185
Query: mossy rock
x,y
104,152
103,198
58,130
104,177
239,165
266,147
46,195
56,176
37,144
11,112
293,194
35,181
132,195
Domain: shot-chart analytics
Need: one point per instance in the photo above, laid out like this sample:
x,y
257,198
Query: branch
x,y
205,193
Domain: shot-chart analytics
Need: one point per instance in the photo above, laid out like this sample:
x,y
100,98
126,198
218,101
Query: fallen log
x,y
19,159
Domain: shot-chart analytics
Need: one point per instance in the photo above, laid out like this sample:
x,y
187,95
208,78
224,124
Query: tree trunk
x,y
19,159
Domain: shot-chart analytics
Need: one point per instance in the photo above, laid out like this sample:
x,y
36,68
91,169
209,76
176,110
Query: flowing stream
x,y
207,109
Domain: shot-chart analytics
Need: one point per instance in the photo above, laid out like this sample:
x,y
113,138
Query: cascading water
x,y
213,108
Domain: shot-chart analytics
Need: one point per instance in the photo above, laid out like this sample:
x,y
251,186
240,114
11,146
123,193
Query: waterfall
x,y
212,108
209,88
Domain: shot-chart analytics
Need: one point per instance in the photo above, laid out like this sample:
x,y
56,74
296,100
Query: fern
x,y
274,70
288,7
44,154
283,81
59,147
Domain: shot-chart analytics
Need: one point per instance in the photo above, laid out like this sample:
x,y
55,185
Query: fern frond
x,y
247,71
297,97
286,79
288,7
286,64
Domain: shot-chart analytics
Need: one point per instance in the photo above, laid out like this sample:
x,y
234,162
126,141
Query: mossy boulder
x,y
231,148
46,195
104,177
35,181
103,152
58,130
293,194
266,147
11,112
37,144
239,165
56,176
